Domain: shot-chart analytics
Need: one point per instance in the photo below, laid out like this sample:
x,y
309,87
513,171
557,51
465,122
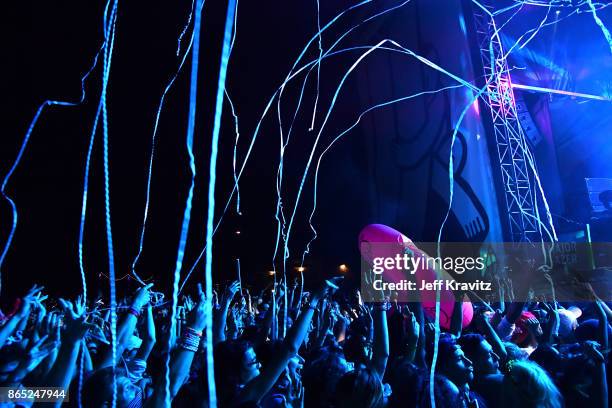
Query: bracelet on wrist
x,y
189,341
194,331
188,346
133,311
190,337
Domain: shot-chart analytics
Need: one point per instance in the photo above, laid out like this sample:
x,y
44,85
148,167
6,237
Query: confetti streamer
x,y
195,54
235,116
231,7
295,74
256,131
600,23
154,138
107,33
344,132
280,216
314,110
108,53
379,45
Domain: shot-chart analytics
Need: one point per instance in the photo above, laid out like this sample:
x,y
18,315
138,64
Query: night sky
x,y
49,46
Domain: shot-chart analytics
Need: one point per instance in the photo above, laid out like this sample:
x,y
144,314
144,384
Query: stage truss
x,y
520,200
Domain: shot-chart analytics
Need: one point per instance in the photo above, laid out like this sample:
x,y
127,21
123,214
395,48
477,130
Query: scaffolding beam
x,y
507,133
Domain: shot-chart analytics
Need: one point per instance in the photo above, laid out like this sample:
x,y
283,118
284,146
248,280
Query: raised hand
x,y
75,328
230,292
188,303
364,311
197,318
532,324
51,326
37,351
75,322
80,306
40,318
480,319
142,297
67,307
97,333
326,321
34,292
327,287
430,330
359,298
233,321
413,328
32,298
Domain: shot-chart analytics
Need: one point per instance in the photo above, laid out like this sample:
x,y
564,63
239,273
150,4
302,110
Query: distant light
x,y
301,269
477,136
558,12
343,268
237,232
271,273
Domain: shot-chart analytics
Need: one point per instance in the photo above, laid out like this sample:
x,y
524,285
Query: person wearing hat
x,y
527,331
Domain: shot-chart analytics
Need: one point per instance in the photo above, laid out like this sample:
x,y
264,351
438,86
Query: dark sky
x,y
48,46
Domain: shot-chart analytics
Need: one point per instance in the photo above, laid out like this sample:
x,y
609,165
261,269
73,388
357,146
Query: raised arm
x,y
419,355
125,328
260,385
457,315
412,333
220,317
380,346
513,311
183,354
64,368
50,326
300,293
599,396
87,361
489,332
551,329
25,307
34,354
149,339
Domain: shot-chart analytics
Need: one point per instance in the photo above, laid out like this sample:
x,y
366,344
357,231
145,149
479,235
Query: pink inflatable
x,y
392,243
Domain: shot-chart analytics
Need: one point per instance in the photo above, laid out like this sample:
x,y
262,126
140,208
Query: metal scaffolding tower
x,y
509,136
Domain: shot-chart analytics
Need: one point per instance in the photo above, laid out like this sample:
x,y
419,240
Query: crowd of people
x,y
286,347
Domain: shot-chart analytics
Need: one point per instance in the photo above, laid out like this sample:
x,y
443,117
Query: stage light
x,y
271,273
560,92
343,268
237,232
300,269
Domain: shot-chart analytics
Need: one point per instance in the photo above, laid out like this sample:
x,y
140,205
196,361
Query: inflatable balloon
x,y
382,241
